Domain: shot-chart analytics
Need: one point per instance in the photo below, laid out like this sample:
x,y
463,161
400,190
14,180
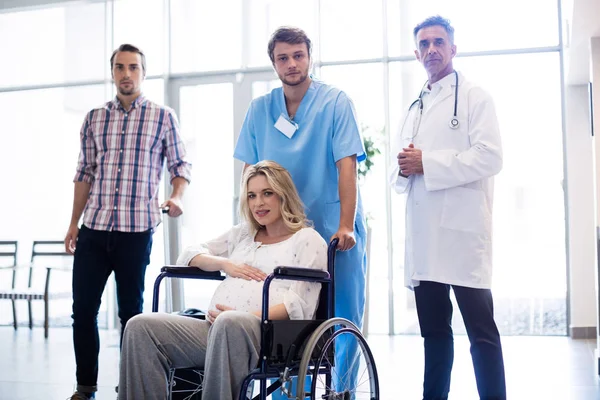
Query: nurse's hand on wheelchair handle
x,y
244,271
346,239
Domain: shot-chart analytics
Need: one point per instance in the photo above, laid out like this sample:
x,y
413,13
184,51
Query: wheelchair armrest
x,y
180,271
301,274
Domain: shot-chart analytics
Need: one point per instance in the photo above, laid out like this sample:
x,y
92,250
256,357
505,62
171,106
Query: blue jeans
x,y
97,254
435,317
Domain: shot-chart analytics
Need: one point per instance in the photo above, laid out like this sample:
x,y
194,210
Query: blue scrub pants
x,y
98,254
350,277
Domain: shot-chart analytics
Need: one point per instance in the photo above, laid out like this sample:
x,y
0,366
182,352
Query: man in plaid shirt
x,y
123,148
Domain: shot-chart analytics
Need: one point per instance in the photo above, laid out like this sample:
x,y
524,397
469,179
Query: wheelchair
x,y
296,356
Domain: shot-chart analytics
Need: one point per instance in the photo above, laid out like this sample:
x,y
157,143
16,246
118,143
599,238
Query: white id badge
x,y
286,127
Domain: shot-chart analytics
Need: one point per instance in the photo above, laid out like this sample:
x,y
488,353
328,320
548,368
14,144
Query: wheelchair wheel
x,y
355,379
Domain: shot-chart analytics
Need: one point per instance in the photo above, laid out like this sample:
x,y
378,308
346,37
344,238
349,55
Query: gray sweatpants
x,y
154,343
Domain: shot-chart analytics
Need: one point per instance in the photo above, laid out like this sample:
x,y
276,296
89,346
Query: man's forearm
x,y
347,188
179,185
81,194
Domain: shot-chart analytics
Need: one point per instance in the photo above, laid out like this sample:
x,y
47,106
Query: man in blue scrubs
x,y
311,129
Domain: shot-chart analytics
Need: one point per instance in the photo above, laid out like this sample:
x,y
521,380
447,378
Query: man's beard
x,y
295,83
127,92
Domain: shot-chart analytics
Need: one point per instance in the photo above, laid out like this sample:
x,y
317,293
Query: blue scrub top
x,y
327,132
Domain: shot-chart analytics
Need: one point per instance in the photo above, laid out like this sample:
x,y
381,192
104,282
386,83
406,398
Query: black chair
x,y
8,260
291,348
46,256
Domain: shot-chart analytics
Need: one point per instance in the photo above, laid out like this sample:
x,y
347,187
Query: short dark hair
x,y
132,49
436,20
290,35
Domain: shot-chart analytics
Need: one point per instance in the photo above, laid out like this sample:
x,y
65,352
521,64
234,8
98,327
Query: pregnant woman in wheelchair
x,y
274,232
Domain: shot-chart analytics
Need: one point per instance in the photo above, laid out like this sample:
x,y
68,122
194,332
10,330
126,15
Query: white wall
x,y
595,79
582,225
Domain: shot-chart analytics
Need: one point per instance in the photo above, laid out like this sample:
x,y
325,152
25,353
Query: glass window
x,y
226,35
509,24
529,230
70,49
405,81
142,24
39,143
367,95
351,30
154,91
206,35
363,83
51,139
265,16
206,117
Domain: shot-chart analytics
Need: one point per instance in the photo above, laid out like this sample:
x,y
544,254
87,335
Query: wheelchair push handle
x,y
331,249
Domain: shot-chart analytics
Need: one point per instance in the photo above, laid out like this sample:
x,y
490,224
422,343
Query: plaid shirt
x,y
122,154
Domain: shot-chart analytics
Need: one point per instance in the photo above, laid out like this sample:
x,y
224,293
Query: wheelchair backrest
x,y
278,337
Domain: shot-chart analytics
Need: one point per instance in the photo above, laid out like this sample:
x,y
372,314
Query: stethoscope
x,y
454,123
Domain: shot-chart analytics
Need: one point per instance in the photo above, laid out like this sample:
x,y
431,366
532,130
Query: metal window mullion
x,y
565,165
386,154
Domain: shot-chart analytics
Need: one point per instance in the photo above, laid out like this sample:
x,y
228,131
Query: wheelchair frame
x,y
284,352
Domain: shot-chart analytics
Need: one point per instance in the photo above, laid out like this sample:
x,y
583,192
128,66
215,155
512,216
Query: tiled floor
x,y
537,368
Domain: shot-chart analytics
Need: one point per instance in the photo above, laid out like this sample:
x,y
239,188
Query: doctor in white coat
x,y
444,159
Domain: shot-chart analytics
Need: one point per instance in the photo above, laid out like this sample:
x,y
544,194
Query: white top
x,y
306,248
449,207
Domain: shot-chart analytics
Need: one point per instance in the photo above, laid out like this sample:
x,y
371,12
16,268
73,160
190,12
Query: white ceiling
x,y
584,25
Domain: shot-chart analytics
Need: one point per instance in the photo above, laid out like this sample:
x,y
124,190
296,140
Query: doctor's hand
x,y
346,238
213,314
410,160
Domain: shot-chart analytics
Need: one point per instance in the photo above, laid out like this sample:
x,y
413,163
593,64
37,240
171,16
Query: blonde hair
x,y
280,180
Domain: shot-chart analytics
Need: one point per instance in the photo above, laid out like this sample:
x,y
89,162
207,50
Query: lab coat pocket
x,y
464,210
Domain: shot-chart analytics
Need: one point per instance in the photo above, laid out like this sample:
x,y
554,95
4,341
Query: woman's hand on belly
x,y
244,271
213,314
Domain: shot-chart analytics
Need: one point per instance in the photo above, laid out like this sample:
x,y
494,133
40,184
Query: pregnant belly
x,y
238,293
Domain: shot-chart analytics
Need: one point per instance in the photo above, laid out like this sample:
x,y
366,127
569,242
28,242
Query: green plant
x,y
370,141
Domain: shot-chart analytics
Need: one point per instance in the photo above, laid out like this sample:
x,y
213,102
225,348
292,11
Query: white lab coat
x,y
449,207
